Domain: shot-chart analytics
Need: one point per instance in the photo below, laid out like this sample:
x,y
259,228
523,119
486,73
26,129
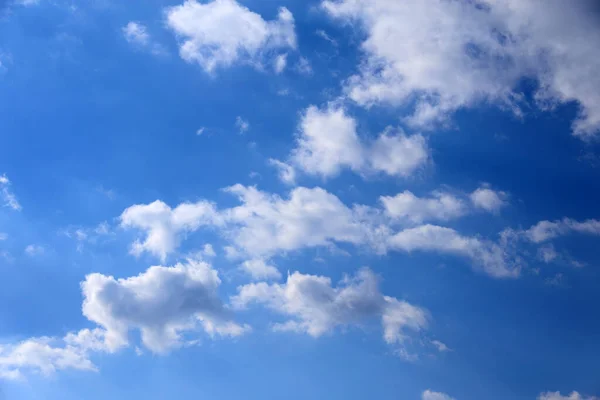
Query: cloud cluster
x,y
430,395
558,396
448,55
315,307
547,230
220,33
265,225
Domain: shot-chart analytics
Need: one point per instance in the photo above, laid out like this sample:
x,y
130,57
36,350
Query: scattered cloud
x,y
8,197
449,55
544,231
242,124
137,34
442,348
34,250
47,355
315,307
163,226
488,199
280,63
259,269
321,33
440,207
286,173
328,142
430,395
200,131
488,256
558,396
221,33
304,67
162,302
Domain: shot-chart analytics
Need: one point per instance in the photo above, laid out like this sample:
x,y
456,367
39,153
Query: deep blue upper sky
x,y
448,147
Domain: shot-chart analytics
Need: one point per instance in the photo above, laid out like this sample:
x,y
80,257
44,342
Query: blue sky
x,y
343,199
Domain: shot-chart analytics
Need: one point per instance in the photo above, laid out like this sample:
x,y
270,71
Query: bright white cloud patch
x,y
220,33
558,396
316,307
492,258
488,199
164,226
441,206
430,395
34,250
328,142
163,303
452,54
7,196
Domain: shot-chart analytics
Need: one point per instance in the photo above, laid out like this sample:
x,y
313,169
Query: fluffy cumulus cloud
x,y
315,307
7,196
488,199
430,395
266,224
48,355
328,142
163,303
448,55
493,258
164,226
220,33
544,231
440,207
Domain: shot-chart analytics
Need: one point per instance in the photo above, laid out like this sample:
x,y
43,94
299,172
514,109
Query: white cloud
x,y
547,254
321,33
266,224
328,142
258,269
164,226
448,55
488,199
442,348
242,124
137,34
547,230
558,396
430,395
47,355
3,236
280,63
34,250
315,307
220,33
8,197
490,257
200,131
287,173
303,66
441,206
162,302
